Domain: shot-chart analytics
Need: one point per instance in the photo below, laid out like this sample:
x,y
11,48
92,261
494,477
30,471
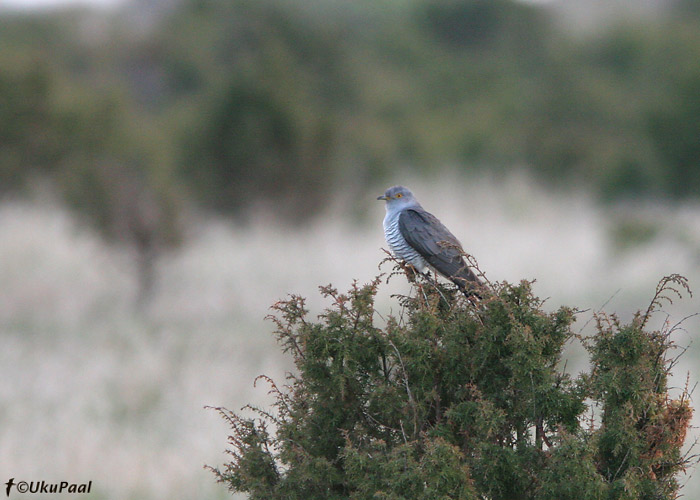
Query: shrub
x,y
455,400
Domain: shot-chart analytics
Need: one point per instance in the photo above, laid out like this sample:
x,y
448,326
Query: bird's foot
x,y
410,270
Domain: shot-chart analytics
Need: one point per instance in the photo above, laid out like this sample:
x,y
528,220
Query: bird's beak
x,y
382,197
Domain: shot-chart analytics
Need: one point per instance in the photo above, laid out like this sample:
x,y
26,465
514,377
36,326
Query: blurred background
x,y
169,169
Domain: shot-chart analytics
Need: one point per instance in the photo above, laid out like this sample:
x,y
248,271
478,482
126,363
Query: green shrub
x,y
455,400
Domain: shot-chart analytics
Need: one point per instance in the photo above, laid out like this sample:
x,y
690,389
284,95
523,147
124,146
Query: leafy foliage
x,y
29,126
270,101
459,400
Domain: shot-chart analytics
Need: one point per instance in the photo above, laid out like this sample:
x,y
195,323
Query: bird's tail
x,y
468,283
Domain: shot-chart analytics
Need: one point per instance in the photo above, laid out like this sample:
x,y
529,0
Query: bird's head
x,y
398,197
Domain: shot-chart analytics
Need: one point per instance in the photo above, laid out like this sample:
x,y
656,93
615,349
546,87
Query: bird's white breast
x,y
397,243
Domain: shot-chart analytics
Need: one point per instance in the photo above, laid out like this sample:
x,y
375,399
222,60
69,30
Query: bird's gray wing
x,y
435,243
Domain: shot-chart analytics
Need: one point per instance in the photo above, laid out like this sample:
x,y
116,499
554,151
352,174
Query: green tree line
x,y
274,99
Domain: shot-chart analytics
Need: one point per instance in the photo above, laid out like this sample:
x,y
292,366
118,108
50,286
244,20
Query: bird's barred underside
x,y
399,246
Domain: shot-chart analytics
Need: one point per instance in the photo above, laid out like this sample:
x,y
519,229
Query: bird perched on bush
x,y
419,238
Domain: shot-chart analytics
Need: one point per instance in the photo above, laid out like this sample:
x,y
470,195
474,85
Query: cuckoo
x,y
421,240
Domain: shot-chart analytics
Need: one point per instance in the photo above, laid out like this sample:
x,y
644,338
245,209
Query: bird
x,y
419,238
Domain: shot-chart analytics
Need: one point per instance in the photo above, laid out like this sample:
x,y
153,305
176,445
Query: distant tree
x,y
119,177
461,401
258,148
482,25
267,86
130,209
674,130
29,123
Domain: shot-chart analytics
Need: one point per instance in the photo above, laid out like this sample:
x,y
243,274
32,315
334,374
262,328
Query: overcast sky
x,y
41,4
30,4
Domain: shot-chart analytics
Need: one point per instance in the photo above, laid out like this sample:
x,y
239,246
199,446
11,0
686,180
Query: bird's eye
x,y
398,195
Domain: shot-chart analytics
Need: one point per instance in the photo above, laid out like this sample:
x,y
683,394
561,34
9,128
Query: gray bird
x,y
420,239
